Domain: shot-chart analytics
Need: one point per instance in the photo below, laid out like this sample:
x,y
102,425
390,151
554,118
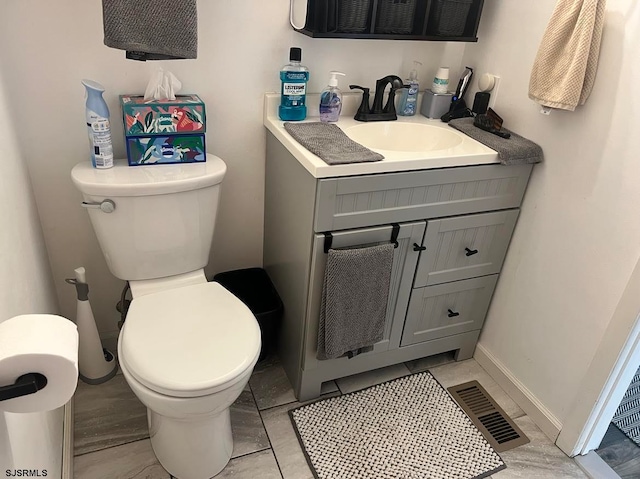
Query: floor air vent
x,y
489,418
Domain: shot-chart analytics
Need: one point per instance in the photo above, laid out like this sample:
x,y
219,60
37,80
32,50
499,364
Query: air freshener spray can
x,y
98,126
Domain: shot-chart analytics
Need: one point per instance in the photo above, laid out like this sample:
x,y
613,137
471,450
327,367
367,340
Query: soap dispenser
x,y
331,99
409,99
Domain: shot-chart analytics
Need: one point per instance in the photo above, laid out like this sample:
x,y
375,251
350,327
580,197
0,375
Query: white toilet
x,y
188,347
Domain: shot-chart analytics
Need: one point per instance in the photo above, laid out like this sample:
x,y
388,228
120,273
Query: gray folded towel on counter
x,y
516,150
354,300
152,29
330,143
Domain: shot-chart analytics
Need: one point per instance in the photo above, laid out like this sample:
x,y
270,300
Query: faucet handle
x,y
358,87
363,110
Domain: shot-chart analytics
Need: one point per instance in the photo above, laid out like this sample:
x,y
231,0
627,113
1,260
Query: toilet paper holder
x,y
26,384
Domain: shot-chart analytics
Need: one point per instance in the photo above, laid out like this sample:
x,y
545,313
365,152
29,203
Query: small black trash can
x,y
253,287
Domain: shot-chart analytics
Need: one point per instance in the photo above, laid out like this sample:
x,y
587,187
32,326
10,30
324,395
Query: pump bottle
x,y
293,92
331,100
409,99
98,126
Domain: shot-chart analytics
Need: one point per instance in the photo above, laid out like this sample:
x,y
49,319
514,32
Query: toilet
x,y
187,347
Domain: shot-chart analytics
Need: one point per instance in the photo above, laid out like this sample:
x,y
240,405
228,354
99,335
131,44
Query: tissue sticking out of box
x,y
162,86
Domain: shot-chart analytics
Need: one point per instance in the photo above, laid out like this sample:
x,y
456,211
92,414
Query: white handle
x,y
107,206
81,274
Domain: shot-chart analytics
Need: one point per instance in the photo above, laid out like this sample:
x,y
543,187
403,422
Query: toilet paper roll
x,y
39,343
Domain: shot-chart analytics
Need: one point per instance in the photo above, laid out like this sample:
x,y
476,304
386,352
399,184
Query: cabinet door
x,y
404,263
465,247
447,309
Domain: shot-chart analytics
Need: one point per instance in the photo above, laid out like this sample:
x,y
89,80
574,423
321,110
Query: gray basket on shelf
x,y
450,16
395,16
353,16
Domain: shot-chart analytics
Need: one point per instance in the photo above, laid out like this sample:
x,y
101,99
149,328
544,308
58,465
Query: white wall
x,y
578,236
25,287
242,45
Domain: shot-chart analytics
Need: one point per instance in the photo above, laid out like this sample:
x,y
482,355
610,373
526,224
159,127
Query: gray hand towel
x,y
152,29
354,299
330,143
516,150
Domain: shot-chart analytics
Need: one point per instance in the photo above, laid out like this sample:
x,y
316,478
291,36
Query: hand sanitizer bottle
x,y
331,100
409,98
98,127
293,93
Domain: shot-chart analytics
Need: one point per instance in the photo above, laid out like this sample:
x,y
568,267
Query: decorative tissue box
x,y
184,115
165,149
164,131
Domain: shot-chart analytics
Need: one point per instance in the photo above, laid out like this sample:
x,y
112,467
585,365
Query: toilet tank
x,y
164,215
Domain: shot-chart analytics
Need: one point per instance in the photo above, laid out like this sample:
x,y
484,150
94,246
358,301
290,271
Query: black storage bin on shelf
x,y
353,16
253,287
395,16
450,16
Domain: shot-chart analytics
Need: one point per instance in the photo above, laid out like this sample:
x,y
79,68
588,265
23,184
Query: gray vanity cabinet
x,y
455,227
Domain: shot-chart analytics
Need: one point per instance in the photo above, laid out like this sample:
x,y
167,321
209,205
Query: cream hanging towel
x,y
565,67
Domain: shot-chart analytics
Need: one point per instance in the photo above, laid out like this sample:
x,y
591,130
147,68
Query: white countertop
x,y
468,152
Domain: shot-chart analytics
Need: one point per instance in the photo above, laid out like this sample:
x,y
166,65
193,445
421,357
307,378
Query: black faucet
x,y
378,112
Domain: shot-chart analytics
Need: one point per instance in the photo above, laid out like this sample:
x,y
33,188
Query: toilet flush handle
x,y
107,206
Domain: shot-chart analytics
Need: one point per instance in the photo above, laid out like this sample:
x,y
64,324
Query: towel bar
x,y
328,238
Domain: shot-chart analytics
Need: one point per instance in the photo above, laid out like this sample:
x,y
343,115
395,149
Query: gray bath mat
x,y
627,417
408,428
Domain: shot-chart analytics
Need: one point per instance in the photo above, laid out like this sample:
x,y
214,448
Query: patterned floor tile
x,y
248,432
259,465
271,386
540,459
135,460
107,415
284,441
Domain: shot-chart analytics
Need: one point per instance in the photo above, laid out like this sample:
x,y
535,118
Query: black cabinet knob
x,y
471,252
452,314
417,247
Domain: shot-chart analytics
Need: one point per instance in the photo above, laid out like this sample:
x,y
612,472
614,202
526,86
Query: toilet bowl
x,y
188,373
187,347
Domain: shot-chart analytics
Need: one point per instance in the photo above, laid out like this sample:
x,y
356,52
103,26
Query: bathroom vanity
x,y
452,212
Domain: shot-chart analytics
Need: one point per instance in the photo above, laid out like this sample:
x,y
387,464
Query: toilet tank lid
x,y
125,180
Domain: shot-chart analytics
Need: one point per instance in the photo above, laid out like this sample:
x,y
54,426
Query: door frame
x,y
608,376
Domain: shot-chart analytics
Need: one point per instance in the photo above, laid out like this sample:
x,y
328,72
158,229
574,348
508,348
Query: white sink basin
x,y
401,136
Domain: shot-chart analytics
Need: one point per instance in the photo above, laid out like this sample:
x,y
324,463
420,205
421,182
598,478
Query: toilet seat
x,y
190,341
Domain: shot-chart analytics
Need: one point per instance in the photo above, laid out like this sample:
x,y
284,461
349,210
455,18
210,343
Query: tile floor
x,y
620,453
111,438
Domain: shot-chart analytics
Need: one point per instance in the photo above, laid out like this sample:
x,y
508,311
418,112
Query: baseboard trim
x,y
67,441
529,403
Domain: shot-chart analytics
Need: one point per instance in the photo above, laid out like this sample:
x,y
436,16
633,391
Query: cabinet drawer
x,y
357,201
465,247
447,309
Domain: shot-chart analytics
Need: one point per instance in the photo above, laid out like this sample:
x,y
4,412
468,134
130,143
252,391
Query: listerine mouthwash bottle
x,y
293,93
